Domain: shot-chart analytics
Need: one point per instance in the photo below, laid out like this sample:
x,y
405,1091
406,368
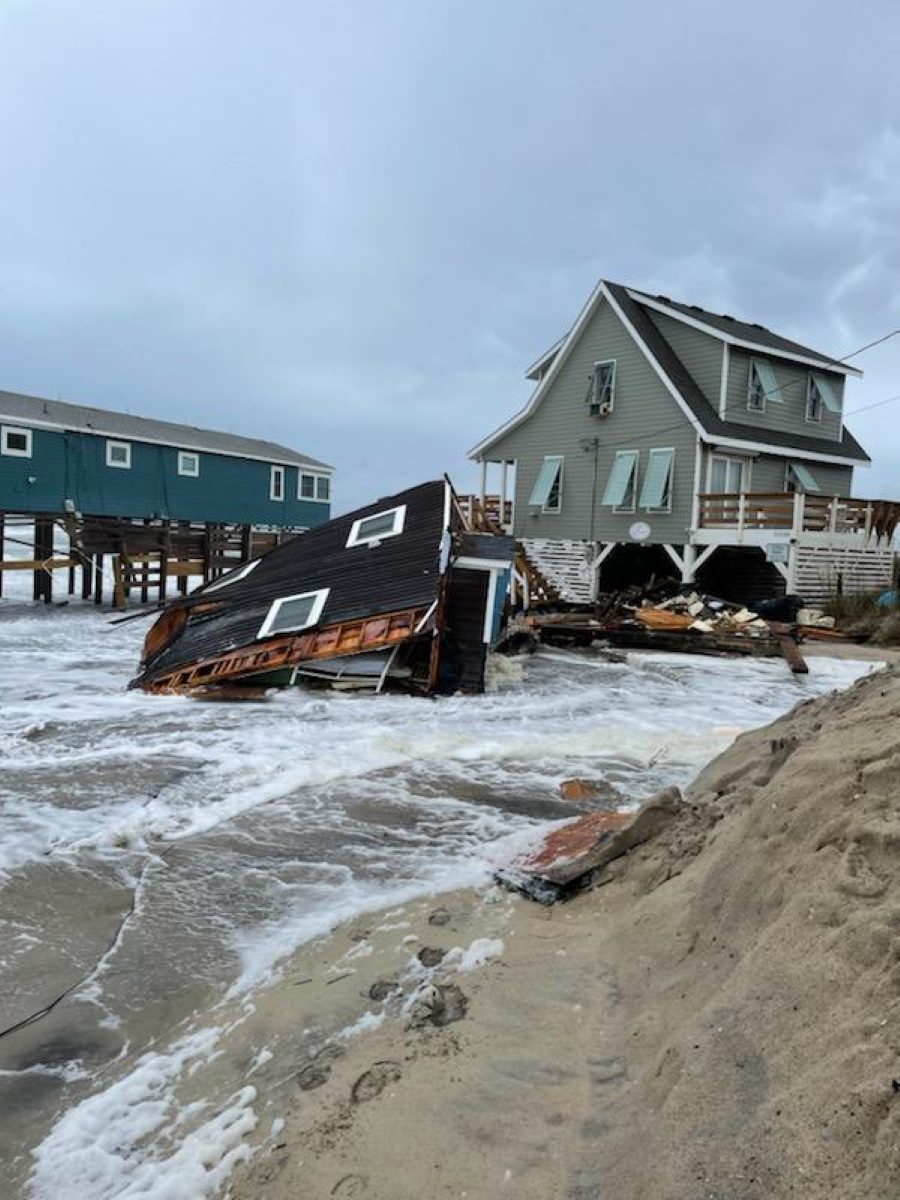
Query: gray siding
x,y
789,415
645,416
700,352
769,475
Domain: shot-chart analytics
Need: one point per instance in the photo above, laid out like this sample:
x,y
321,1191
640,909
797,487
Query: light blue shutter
x,y
543,485
830,398
768,380
805,477
620,478
656,480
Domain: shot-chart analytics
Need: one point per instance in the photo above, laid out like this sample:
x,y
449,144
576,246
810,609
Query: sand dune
x,y
717,1021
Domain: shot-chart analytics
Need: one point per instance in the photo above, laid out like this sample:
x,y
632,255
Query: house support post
x,y
676,558
2,523
790,573
594,567
689,555
98,579
501,518
483,492
43,550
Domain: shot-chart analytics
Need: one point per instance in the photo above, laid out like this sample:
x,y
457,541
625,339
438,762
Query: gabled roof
x,y
55,414
632,308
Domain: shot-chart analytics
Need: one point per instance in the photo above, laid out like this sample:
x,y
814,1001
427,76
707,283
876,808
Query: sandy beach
x,y
716,1017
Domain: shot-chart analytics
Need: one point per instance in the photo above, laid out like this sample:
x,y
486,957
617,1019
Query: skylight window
x,y
290,614
232,576
369,531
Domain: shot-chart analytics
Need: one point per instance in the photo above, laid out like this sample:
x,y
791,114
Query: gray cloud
x,y
350,226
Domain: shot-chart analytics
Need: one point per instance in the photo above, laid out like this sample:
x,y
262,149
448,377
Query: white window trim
x,y
399,514
182,454
316,476
663,450
5,448
753,371
604,362
314,615
745,464
111,443
554,512
232,576
635,483
810,386
276,472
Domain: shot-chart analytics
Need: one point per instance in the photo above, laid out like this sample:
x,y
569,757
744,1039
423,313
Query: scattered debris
x,y
572,852
437,1004
431,956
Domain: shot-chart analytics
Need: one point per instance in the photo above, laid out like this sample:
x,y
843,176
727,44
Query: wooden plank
x,y
791,654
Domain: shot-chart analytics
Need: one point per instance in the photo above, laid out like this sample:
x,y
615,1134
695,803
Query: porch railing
x,y
798,511
489,516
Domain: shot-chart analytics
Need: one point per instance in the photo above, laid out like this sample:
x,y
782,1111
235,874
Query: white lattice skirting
x,y
821,568
564,564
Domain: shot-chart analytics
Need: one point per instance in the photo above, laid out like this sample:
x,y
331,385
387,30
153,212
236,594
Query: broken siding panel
x,y
787,413
700,352
645,416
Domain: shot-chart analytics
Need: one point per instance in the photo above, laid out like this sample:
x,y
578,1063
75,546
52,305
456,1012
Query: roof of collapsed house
x,y
382,558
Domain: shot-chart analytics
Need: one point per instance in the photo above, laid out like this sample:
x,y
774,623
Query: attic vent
x,y
727,317
665,299
696,308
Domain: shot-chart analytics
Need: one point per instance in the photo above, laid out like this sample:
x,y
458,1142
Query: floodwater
x,y
160,858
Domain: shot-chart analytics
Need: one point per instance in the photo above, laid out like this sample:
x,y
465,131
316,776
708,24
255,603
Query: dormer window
x,y
762,386
290,614
369,531
602,392
814,400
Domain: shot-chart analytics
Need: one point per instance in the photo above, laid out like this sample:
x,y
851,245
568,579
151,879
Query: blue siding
x,y
72,466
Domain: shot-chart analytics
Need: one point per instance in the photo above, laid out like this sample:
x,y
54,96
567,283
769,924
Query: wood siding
x,y
700,352
788,415
72,466
768,475
646,416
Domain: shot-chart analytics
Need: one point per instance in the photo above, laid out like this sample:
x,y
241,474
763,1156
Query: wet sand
x,y
718,1019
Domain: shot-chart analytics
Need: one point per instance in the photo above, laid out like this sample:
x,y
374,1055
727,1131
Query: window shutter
x,y
654,493
620,478
767,379
805,477
543,485
827,391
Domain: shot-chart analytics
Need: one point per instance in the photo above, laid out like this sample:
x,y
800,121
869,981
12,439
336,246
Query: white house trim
x,y
765,351
723,382
534,370
785,450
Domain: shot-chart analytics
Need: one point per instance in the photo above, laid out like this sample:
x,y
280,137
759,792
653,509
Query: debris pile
x,y
702,614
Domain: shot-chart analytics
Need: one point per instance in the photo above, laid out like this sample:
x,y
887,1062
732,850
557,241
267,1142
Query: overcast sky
x,y
349,226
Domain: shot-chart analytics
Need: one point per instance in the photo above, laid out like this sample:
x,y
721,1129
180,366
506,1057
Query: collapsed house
x,y
399,593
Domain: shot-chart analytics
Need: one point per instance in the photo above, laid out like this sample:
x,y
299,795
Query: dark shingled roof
x,y
398,573
745,331
714,426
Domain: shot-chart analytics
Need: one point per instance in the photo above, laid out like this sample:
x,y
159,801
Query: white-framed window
x,y
276,483
762,386
232,576
602,392
656,494
621,488
15,441
726,475
369,531
118,454
814,403
311,485
547,491
290,614
189,463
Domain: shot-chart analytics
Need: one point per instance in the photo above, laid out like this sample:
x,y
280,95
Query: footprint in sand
x,y
373,1082
856,876
350,1186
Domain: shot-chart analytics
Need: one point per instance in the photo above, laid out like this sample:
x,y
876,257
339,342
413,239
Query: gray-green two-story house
x,y
662,437
57,457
